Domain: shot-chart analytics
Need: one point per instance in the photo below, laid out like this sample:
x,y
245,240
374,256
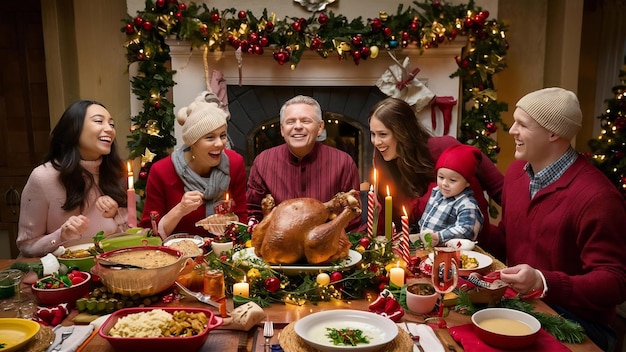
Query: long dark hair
x,y
414,161
65,157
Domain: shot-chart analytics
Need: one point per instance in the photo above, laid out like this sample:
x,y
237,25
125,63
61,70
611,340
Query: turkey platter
x,y
305,230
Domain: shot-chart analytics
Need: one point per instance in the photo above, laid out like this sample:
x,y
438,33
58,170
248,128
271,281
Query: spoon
x,y
110,264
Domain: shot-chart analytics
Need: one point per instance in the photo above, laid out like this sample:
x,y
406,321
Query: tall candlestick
x,y
405,252
396,276
131,205
370,212
388,215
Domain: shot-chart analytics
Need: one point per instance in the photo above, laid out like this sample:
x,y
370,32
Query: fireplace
x,y
346,92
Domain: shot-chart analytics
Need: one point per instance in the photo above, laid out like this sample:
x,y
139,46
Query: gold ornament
x,y
383,16
147,157
152,128
373,51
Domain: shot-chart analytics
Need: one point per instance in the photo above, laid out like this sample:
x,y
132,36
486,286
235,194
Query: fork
x,y
415,338
268,332
199,296
64,335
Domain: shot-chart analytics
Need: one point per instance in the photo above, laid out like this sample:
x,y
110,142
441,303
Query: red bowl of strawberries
x,y
55,289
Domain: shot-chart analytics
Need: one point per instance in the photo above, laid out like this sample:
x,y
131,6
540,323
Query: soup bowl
x,y
52,296
505,328
421,298
160,267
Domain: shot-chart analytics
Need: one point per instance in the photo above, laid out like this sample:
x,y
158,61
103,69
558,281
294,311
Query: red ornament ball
x,y
269,27
365,242
335,276
182,7
242,14
264,41
376,25
316,43
138,21
387,31
160,3
357,40
147,25
215,17
129,29
272,284
322,19
178,15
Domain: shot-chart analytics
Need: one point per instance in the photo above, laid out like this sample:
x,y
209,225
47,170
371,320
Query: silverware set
x,y
64,335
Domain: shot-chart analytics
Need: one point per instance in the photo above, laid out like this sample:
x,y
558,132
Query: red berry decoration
x,y
160,3
242,14
491,127
272,284
296,26
322,19
316,43
269,27
335,276
215,17
365,52
147,25
143,175
357,40
157,105
182,7
264,41
129,29
253,37
387,31
178,15
138,21
365,242
140,56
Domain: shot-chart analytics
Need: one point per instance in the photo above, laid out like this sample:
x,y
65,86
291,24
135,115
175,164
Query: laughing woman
x,y
79,189
185,187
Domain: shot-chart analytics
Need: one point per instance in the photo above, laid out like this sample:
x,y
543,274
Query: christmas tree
x,y
609,148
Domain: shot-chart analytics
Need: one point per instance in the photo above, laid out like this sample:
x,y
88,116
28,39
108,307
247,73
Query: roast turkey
x,y
305,230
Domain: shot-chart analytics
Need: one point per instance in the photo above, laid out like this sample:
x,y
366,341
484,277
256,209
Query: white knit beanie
x,y
556,109
200,118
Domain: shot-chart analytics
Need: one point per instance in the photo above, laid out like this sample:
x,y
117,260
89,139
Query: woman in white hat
x,y
187,185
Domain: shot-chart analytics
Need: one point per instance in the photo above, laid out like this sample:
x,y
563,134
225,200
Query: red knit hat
x,y
461,158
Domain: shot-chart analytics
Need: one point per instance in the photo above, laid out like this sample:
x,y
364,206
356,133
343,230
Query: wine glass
x,y
445,273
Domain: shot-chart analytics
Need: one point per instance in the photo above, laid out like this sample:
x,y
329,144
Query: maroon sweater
x,y
573,231
165,189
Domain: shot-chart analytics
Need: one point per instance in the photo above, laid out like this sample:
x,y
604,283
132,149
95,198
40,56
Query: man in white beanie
x,y
562,218
189,184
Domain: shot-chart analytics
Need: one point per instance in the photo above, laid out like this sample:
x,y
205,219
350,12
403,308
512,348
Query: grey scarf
x,y
213,187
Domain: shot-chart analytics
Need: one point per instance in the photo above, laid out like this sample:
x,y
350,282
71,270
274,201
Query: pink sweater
x,y
573,231
41,215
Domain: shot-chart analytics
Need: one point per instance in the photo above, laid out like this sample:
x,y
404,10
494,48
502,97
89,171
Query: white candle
x,y
396,276
130,198
241,289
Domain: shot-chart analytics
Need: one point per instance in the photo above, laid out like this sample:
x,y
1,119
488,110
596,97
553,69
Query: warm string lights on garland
x,y
609,149
425,26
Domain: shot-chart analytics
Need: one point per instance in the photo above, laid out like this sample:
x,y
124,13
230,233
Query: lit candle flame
x,y
131,182
404,210
227,196
388,195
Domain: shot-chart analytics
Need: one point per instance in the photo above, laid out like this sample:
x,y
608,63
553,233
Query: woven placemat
x,y
291,342
42,340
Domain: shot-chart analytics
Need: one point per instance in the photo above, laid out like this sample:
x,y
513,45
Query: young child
x,y
452,210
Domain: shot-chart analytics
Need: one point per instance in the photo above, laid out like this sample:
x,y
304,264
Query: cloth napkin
x,y
465,335
80,334
429,341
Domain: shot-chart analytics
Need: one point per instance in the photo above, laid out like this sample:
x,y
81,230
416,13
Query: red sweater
x,y
573,231
165,189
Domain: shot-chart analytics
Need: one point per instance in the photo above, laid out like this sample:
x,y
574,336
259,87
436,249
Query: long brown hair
x,y
65,157
414,161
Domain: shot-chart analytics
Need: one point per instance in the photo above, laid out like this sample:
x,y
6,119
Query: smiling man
x,y
563,219
302,166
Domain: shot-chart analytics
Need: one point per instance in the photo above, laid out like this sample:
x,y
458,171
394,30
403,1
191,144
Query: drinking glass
x,y
214,284
445,272
12,281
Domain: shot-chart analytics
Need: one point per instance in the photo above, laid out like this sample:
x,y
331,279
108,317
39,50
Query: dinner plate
x,y
16,333
483,262
378,329
293,269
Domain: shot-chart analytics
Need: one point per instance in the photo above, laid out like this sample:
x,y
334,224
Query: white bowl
x,y
379,330
421,304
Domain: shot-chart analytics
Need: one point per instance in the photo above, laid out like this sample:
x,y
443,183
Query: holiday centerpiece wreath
x,y
425,25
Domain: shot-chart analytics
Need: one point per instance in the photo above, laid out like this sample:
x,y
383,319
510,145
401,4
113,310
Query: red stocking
x,y
445,104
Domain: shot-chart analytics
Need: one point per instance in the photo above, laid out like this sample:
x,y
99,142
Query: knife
x,y
447,340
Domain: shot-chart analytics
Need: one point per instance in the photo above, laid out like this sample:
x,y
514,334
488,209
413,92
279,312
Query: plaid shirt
x,y
551,173
454,217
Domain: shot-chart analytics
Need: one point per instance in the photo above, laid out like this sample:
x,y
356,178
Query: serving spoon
x,y
110,264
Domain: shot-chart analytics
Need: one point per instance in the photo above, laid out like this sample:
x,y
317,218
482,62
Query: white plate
x,y
312,329
293,269
483,262
180,237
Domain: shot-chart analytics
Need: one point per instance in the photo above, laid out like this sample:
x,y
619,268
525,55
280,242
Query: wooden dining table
x,y
225,340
